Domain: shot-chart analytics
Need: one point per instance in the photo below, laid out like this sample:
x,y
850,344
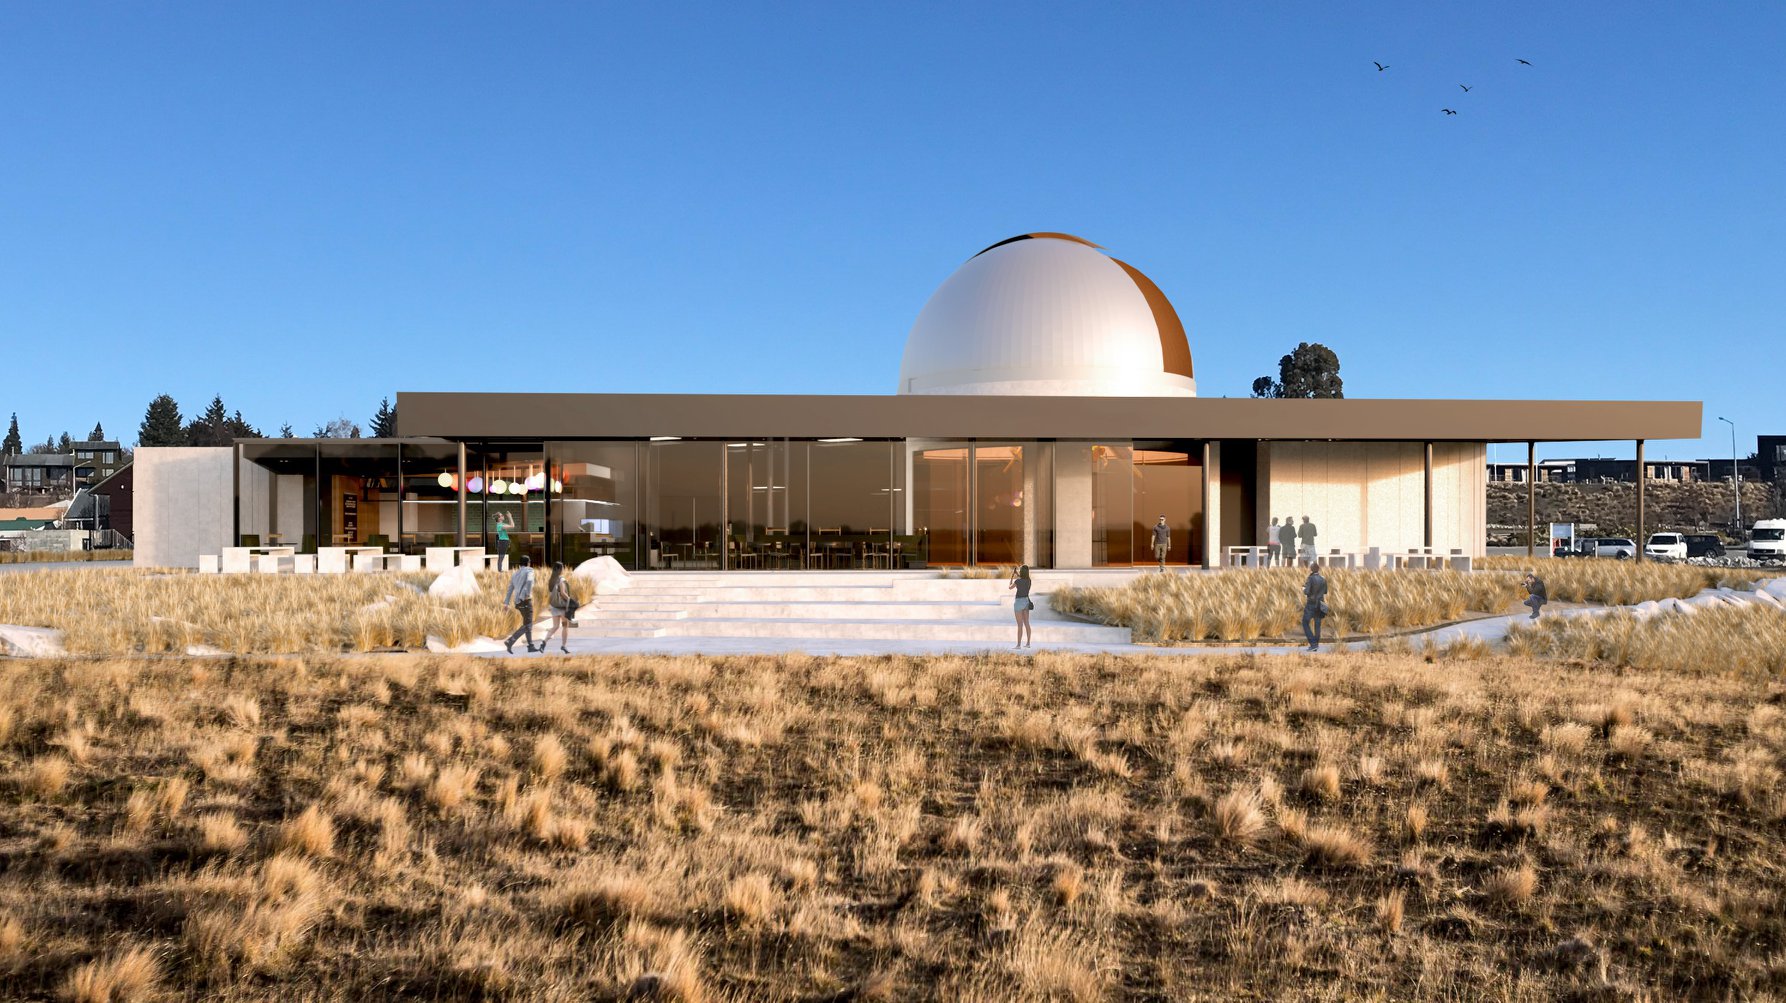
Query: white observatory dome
x,y
1047,314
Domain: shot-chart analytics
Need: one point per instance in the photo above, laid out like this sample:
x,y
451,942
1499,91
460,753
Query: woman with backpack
x,y
561,605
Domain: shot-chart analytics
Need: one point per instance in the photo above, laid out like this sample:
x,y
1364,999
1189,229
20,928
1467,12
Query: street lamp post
x,y
1736,476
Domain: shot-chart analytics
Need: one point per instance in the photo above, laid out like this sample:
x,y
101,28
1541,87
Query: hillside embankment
x,y
1612,508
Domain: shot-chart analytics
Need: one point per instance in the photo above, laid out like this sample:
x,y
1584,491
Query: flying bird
x,y
1465,87
1448,111
1526,61
1380,67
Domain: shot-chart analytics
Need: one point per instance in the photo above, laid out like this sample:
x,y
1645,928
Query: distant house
x,y
114,493
1770,457
62,474
1548,471
1600,468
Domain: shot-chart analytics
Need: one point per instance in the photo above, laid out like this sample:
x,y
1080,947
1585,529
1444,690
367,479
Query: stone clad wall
x,y
1372,494
1612,508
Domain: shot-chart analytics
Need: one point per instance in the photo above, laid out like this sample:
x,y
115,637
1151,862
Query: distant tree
x,y
285,431
384,422
162,424
65,444
239,429
210,428
340,428
46,448
12,445
1312,370
98,433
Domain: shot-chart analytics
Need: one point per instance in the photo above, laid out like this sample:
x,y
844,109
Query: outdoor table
x,y
444,558
1247,556
267,559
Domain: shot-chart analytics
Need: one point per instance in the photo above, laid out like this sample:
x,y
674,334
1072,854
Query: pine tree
x,y
285,431
210,428
65,444
162,424
384,422
13,445
98,433
240,429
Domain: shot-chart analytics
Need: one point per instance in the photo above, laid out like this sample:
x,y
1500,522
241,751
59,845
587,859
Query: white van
x,y
1767,541
1671,545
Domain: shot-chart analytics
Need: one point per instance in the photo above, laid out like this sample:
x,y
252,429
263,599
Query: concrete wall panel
x,y
183,504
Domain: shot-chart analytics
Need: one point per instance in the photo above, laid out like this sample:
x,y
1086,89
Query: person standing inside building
x,y
1536,596
1306,533
1022,605
1272,544
520,596
503,522
1162,541
1314,605
561,606
1286,538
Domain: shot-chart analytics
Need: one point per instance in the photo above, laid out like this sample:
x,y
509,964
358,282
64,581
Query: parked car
x,y
1670,545
1606,546
1704,545
1767,541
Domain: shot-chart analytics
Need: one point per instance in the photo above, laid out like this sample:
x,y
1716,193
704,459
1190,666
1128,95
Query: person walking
x,y
1162,541
1306,533
1272,544
503,522
1536,596
1314,605
1022,605
1286,538
561,606
520,596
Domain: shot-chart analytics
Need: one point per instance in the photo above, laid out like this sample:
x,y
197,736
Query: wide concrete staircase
x,y
859,605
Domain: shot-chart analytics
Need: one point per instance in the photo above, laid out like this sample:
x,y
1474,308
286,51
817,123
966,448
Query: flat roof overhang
x,y
500,416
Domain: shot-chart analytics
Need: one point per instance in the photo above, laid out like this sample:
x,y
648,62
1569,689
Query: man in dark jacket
x,y
1314,605
1306,533
1536,596
1286,538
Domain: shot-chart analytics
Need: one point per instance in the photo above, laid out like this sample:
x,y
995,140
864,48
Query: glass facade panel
x,y
595,507
761,504
850,499
1169,481
514,495
429,511
939,502
1012,491
683,512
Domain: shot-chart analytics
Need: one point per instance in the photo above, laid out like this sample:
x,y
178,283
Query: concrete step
x,y
917,630
874,610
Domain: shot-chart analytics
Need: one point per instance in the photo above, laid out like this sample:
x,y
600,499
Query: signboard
x,y
350,517
1562,537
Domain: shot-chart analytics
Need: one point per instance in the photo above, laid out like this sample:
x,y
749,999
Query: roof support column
x,y
1212,536
1427,483
459,531
1640,533
235,493
1531,499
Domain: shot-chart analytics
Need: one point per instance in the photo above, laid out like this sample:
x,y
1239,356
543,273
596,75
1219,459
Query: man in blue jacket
x,y
520,596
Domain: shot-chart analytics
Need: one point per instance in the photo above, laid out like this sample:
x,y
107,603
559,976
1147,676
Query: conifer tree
x,y
12,445
65,444
162,424
98,433
384,422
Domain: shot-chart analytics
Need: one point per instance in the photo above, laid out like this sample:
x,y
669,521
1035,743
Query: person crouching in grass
x,y
1536,596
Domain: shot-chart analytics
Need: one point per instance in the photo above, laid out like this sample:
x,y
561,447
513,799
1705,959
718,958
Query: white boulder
x,y
455,583
1775,587
606,573
31,642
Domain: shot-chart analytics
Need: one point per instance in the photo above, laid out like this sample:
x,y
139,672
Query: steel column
x,y
1209,537
1532,500
1640,479
459,535
1427,483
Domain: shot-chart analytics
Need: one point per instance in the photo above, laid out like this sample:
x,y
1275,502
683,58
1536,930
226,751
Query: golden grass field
x,y
125,611
1216,827
1267,603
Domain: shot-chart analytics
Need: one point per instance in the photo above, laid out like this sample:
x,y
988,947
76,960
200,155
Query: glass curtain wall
x,y
763,497
684,499
515,496
850,504
429,509
939,510
595,500
1169,481
1012,494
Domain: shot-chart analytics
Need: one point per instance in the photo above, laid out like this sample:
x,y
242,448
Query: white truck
x,y
1767,540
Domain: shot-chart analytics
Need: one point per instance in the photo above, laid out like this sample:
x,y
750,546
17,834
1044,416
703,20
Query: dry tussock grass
x,y
1055,828
126,611
1749,639
1623,583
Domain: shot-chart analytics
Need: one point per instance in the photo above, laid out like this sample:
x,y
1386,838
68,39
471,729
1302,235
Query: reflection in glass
x,y
939,504
430,503
1169,482
595,500
851,499
683,504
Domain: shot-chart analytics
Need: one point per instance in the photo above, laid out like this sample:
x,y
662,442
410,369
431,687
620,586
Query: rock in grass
x,y
31,642
455,583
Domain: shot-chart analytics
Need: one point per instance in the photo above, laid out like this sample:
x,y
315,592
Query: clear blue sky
x,y
304,207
